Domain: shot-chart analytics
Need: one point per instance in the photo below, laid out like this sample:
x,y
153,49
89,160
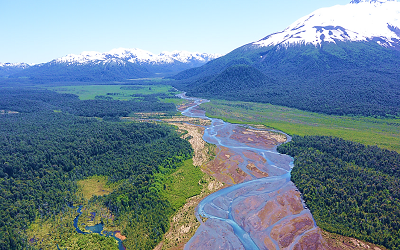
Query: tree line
x,y
43,153
351,189
28,101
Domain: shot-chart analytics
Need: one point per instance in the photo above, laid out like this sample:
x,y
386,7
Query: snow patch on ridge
x,y
361,20
371,1
16,65
139,56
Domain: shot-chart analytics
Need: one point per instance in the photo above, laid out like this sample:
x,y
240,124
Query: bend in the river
x,y
261,208
98,228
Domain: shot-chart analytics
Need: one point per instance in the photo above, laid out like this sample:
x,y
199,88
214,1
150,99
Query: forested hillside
x,y
44,150
111,71
341,79
351,189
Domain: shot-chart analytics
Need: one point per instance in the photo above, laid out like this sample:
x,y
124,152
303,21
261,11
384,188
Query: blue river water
x,y
224,228
98,228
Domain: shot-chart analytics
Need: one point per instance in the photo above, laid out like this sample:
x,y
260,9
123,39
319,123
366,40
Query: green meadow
x,y
383,132
180,184
116,92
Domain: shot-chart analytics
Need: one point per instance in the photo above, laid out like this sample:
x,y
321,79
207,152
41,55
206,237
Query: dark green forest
x,y
48,146
53,72
338,79
351,189
29,101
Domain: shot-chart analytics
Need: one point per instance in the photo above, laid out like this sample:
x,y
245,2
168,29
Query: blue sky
x,y
41,30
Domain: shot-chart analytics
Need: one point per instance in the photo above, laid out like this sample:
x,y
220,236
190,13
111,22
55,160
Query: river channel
x,y
98,229
260,208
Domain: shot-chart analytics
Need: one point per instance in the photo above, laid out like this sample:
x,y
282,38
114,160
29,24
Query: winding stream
x,y
98,228
261,208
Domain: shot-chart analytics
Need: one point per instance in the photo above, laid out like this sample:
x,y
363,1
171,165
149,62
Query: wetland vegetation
x,y
383,132
70,147
130,176
351,189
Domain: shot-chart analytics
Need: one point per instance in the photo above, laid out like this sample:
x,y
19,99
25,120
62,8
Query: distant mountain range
x,y
117,64
339,60
7,69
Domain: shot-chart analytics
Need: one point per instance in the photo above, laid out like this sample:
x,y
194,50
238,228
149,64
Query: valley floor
x,y
184,223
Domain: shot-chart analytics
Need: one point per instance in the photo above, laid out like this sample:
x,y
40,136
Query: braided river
x,y
259,208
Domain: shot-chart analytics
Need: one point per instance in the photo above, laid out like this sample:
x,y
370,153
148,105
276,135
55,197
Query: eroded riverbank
x,y
258,207
261,209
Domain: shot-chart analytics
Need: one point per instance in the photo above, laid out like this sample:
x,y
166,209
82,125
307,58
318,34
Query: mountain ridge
x,y
12,68
137,56
117,64
358,21
340,76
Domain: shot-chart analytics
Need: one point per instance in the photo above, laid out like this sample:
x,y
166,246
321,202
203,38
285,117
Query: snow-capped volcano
x,y
338,60
137,56
361,20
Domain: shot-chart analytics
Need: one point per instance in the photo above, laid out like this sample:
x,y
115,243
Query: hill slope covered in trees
x,y
343,78
351,189
46,148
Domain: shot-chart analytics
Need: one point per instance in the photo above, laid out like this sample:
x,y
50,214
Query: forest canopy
x,y
351,189
45,148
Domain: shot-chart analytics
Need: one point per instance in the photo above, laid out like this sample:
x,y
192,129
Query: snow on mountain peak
x,y
82,58
186,56
136,56
132,55
371,1
361,20
16,65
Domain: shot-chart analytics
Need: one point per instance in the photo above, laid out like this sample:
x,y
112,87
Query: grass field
x,y
117,92
181,184
175,185
384,133
59,230
95,185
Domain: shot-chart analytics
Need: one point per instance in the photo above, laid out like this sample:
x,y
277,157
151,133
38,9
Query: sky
x,y
41,30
